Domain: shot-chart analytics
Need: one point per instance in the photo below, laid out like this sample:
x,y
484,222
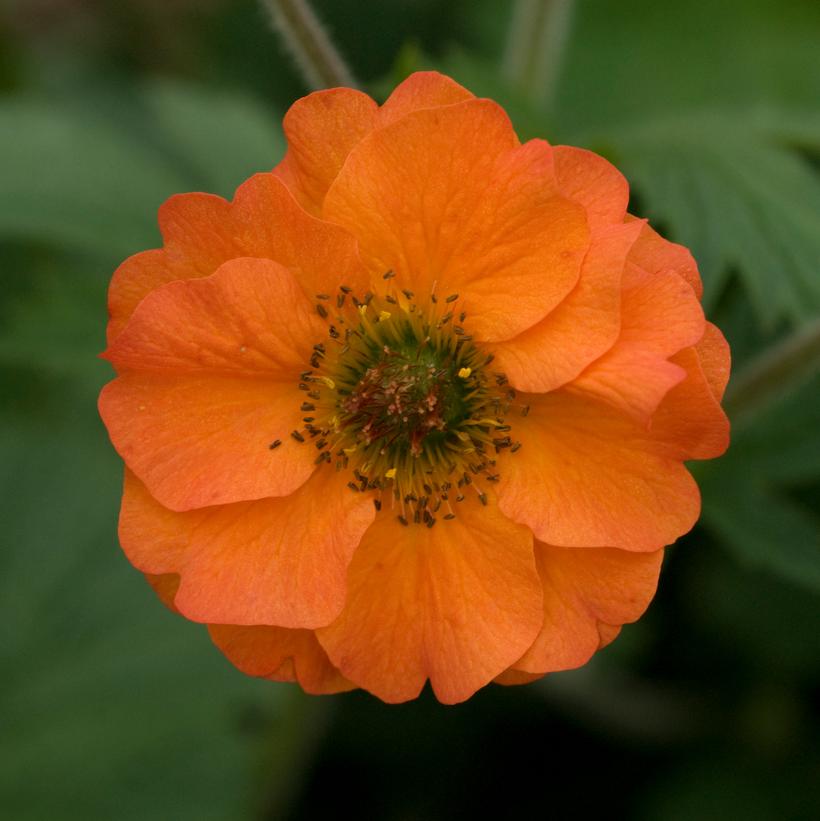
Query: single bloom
x,y
413,406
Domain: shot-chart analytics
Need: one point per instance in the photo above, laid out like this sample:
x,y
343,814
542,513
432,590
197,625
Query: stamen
x,y
404,400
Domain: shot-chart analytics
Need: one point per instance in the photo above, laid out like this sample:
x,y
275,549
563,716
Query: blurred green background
x,y
112,708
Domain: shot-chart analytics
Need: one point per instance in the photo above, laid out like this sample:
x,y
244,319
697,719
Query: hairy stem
x,y
536,42
776,372
313,51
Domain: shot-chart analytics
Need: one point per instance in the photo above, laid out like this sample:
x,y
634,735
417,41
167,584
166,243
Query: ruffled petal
x,y
165,585
584,589
588,476
588,178
321,130
211,381
715,359
424,89
660,316
278,561
199,440
485,220
321,256
553,352
280,654
250,317
201,231
653,254
456,603
690,423
513,677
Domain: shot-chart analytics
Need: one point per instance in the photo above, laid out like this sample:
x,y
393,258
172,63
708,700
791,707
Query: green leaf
x,y
224,136
91,174
750,496
738,199
112,706
72,178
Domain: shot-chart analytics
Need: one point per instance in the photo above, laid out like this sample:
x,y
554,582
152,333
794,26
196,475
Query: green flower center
x,y
402,397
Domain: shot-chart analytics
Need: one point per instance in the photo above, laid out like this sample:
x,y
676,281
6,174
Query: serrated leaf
x,y
739,201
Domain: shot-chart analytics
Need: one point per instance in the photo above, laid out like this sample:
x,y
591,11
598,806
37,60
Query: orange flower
x,y
414,405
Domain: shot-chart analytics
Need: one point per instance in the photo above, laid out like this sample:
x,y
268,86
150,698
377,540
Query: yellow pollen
x,y
327,381
384,315
390,474
465,372
350,451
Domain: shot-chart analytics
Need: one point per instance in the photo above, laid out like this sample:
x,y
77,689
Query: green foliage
x,y
93,668
751,496
90,175
742,202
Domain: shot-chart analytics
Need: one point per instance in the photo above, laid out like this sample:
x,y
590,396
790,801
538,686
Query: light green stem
x,y
775,373
536,42
313,51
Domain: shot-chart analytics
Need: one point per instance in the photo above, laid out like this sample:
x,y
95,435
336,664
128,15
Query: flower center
x,y
400,395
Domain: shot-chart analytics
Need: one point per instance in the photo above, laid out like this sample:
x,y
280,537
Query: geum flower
x,y
414,405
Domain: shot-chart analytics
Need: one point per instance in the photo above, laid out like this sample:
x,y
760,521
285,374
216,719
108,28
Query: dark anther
x,y
275,444
297,436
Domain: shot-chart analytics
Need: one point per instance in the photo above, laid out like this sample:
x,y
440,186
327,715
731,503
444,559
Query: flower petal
x,y
513,677
280,654
715,359
198,237
584,588
485,220
165,585
214,382
690,423
587,476
201,231
653,254
199,440
660,315
321,130
278,561
320,255
423,89
589,179
457,603
555,350
250,317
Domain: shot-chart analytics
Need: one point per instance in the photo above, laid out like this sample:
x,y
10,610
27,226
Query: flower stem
x,y
775,373
536,42
313,51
